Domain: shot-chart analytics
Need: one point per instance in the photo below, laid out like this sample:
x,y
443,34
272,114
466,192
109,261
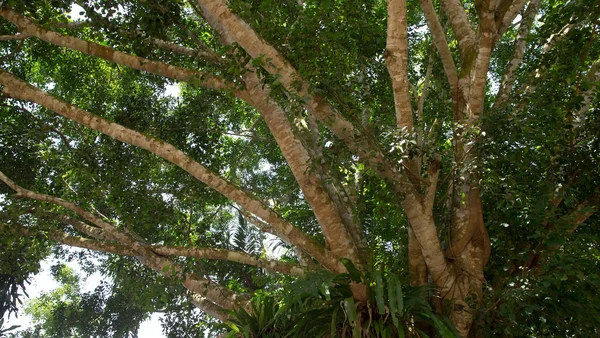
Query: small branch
x,y
518,51
15,51
581,212
441,44
79,242
71,24
593,76
425,88
107,227
201,54
216,293
232,256
432,177
16,88
531,86
112,55
504,20
18,36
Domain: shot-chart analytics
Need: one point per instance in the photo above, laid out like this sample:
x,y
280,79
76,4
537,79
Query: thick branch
x,y
209,307
297,157
416,263
425,231
95,232
479,77
461,26
112,55
216,293
397,62
16,88
233,29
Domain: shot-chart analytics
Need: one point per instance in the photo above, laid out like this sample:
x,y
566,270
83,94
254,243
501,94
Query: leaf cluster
x,y
323,305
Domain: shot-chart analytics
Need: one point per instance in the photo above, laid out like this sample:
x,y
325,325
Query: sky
x,y
43,283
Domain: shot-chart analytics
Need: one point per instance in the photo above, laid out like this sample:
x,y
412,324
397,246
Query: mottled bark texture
x,y
457,270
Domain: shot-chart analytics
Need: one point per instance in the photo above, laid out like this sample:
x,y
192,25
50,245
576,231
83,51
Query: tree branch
x,y
296,155
592,77
504,20
518,51
461,26
441,44
79,242
130,246
94,232
232,256
233,29
425,90
582,212
112,55
16,88
109,228
209,307
424,229
18,36
397,62
432,177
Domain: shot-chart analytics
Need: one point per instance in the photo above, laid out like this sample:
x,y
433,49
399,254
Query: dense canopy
x,y
319,168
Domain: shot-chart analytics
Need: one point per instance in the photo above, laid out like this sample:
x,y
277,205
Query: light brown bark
x,y
233,29
505,19
209,307
460,25
217,294
397,62
340,242
441,44
93,49
424,230
509,78
229,255
16,88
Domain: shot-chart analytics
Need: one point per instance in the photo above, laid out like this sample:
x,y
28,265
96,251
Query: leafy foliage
x,y
322,305
543,273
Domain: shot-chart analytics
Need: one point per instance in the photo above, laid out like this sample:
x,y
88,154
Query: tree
x,y
389,136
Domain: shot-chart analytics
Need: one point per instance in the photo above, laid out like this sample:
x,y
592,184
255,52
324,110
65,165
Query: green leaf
x,y
399,295
355,274
379,291
334,322
391,288
348,304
